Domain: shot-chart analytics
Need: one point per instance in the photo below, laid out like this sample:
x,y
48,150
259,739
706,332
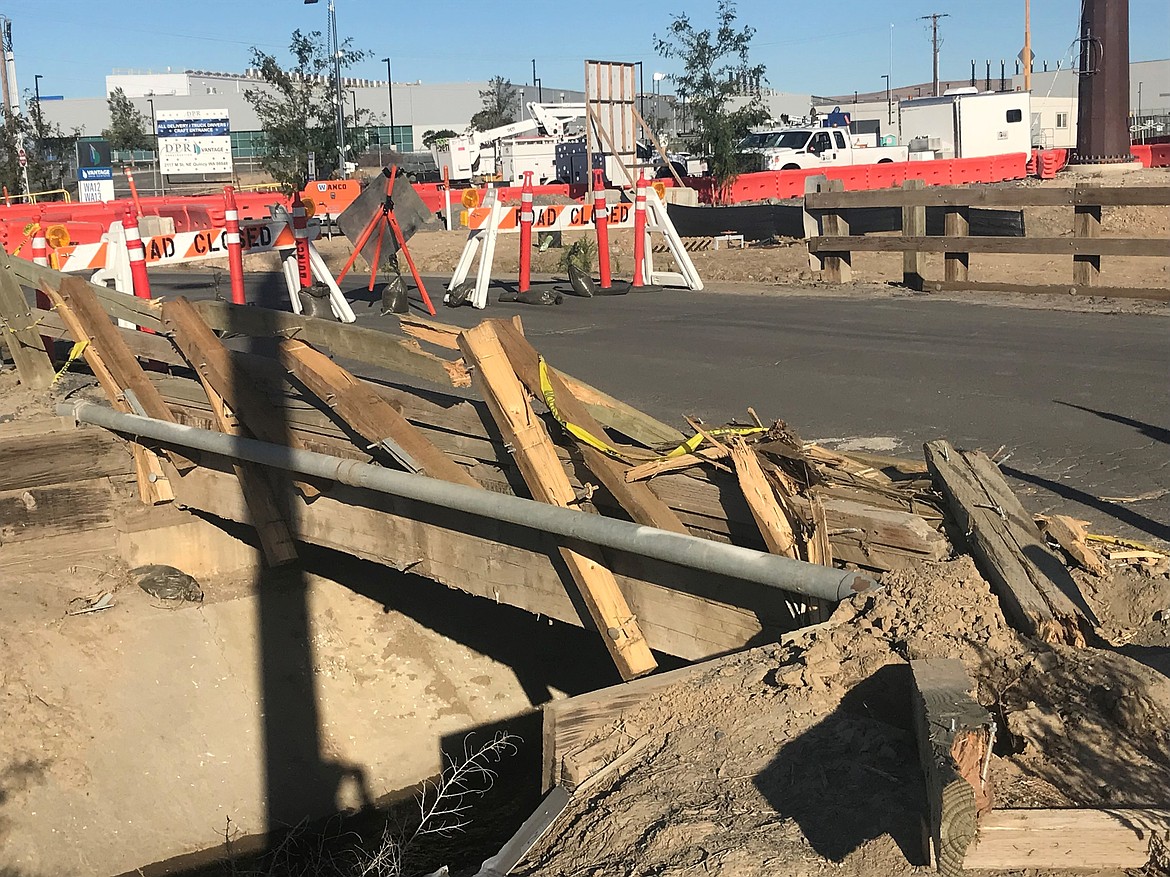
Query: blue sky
x,y
74,47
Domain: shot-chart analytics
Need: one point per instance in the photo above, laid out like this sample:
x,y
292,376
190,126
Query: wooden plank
x,y
682,612
1011,840
1064,290
1087,226
212,361
956,224
810,218
143,345
536,457
1004,550
772,520
17,328
838,266
119,305
611,412
703,456
913,225
955,737
983,196
1151,247
367,413
55,509
347,341
264,513
153,485
636,499
58,458
1070,535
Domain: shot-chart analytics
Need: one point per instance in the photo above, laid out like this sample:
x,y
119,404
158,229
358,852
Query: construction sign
x,y
191,246
551,217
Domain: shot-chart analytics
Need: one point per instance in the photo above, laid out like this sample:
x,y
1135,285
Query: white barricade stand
x,y
486,223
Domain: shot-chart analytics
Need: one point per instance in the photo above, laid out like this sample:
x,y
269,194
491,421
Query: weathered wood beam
x,y
351,342
1075,246
952,196
772,520
955,737
638,501
1032,583
367,413
18,329
1024,840
536,457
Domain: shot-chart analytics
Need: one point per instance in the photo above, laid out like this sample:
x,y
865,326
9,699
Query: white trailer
x,y
967,124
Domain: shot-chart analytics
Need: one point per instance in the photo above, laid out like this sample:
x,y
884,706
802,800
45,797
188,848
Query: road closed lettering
x,y
552,217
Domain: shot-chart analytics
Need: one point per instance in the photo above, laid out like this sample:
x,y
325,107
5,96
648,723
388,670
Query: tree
x,y
48,147
297,110
715,66
127,124
501,102
431,137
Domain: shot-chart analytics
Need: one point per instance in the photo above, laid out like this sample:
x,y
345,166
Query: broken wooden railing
x,y
831,245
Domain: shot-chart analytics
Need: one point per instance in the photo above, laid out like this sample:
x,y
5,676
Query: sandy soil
x,y
801,760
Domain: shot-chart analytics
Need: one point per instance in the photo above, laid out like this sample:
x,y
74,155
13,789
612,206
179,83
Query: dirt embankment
x,y
801,759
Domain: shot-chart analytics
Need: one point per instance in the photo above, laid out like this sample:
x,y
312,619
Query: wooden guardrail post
x,y
812,218
838,266
1086,224
913,225
957,223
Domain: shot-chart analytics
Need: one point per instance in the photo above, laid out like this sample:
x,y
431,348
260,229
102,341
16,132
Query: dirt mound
x,y
801,757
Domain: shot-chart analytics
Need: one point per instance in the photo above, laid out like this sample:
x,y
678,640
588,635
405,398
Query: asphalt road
x,y
1079,403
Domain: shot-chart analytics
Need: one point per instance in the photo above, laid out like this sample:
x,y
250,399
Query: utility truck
x,y
805,148
504,153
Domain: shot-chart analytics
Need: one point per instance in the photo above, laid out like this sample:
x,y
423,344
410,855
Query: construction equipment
x,y
476,156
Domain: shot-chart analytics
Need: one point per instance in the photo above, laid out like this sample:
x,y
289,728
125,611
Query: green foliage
x,y
431,137
48,147
128,126
297,110
714,62
582,253
501,103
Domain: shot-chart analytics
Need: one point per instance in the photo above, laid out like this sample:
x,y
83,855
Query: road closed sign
x,y
194,142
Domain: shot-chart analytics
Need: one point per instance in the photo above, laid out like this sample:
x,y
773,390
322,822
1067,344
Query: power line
x,y
933,19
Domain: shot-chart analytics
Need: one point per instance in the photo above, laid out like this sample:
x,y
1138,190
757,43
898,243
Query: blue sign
x,y
95,173
193,128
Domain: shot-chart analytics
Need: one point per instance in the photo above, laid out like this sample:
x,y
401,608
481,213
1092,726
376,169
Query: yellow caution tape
x,y
583,435
577,432
74,352
1122,543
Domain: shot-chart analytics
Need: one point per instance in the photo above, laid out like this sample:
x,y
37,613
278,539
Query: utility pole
x,y
1027,45
934,41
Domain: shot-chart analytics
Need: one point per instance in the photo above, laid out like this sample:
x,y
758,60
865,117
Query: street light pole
x,y
390,99
157,158
889,107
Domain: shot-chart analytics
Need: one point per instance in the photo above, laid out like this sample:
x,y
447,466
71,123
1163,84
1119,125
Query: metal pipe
x,y
782,573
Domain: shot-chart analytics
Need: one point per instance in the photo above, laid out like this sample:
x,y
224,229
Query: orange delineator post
x,y
526,218
133,191
235,245
640,230
137,254
601,221
301,234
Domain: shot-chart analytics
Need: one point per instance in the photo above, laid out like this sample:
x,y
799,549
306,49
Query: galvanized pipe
x,y
794,576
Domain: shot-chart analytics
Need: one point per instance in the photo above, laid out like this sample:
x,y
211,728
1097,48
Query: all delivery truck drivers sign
x,y
194,142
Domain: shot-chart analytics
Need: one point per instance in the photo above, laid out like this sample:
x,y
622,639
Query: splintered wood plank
x,y
1011,840
1070,535
153,485
21,337
635,498
820,550
955,736
353,342
770,518
1029,580
536,457
613,413
367,413
207,355
276,541
61,457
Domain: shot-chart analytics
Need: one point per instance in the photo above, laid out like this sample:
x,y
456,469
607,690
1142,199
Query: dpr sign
x,y
194,141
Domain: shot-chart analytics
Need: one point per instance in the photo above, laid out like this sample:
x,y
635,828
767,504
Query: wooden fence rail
x,y
831,246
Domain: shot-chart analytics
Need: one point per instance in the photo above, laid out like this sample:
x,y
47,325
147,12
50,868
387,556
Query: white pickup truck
x,y
789,149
